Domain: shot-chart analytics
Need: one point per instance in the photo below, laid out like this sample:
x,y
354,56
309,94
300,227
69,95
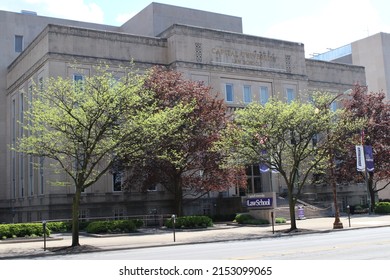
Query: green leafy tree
x,y
84,127
294,139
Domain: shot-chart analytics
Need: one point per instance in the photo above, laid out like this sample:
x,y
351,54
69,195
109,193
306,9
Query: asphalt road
x,y
359,244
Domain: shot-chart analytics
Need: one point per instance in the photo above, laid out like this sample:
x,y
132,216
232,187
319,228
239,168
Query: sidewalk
x,y
57,243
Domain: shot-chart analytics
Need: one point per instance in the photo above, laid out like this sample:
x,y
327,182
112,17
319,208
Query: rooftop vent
x,y
25,12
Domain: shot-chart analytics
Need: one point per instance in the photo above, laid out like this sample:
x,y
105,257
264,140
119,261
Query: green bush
x,y
22,230
138,223
280,220
243,218
247,219
116,226
382,208
190,222
59,226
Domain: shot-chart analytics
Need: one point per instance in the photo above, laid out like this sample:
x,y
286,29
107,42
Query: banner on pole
x,y
360,162
369,158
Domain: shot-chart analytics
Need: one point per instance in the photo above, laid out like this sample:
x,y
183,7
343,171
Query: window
x,y
229,93
290,95
333,106
117,181
264,95
13,153
40,83
247,94
21,112
21,175
253,179
78,78
30,175
18,43
40,177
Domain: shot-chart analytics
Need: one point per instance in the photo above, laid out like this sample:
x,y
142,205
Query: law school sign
x,y
261,205
261,202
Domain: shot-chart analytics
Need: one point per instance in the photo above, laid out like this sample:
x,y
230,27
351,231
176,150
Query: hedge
x,y
247,219
190,222
280,220
22,230
382,208
116,226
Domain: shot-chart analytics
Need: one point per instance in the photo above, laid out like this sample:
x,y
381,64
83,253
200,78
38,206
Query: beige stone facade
x,y
239,67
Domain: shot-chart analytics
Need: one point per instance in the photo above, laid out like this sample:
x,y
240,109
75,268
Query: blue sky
x,y
319,25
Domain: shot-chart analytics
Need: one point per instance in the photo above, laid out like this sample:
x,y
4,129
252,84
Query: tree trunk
x,y
291,203
75,217
371,191
337,224
178,198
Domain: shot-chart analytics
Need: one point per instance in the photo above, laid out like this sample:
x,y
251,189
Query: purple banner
x,y
368,155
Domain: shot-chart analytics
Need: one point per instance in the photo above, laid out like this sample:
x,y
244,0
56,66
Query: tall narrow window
x,y
40,84
13,153
290,95
18,43
117,181
229,93
78,80
264,95
30,168
21,175
30,175
41,178
247,94
21,156
333,106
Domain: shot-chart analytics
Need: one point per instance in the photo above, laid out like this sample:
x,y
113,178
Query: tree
x,y
289,138
375,132
185,159
84,127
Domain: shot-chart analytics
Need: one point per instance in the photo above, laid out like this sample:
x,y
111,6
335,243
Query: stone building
x,y
204,46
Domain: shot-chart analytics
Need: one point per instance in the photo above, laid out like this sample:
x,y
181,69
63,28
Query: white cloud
x,y
339,23
70,9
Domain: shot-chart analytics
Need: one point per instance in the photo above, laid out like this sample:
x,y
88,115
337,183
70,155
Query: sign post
x,y
44,235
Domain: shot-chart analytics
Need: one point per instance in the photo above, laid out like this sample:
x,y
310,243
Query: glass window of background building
x,y
247,94
18,43
290,94
253,179
264,95
117,181
229,95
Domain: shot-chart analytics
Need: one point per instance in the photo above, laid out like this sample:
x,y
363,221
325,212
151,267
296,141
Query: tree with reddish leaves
x,y
376,133
184,163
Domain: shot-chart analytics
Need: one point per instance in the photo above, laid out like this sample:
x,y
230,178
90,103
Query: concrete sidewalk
x,y
58,243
